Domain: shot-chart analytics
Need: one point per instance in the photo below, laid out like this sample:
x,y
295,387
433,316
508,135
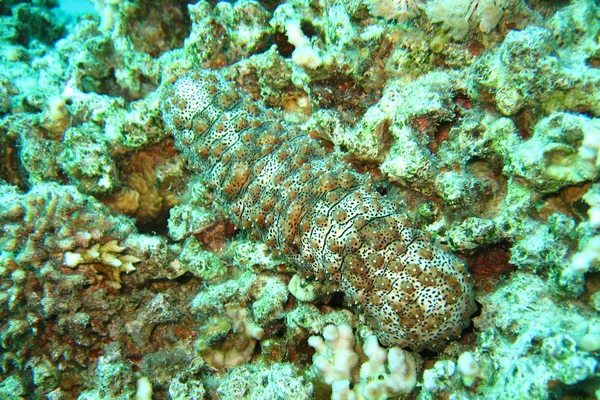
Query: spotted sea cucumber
x,y
323,217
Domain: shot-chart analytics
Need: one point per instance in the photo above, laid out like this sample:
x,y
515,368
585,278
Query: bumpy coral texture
x,y
326,219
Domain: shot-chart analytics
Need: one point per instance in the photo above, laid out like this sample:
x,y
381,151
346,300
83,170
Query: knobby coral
x,y
386,373
325,219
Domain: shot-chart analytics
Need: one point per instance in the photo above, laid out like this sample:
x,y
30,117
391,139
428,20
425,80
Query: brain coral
x,y
324,218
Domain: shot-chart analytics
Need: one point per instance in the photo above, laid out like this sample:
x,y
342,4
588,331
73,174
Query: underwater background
x,y
362,199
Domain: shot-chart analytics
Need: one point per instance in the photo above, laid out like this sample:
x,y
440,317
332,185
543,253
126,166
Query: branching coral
x,y
47,308
387,373
234,326
106,258
237,348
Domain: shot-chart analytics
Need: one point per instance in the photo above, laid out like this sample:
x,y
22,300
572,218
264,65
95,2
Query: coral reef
x,y
138,260
48,305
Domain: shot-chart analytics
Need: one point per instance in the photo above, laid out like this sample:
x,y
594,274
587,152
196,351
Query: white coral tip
x,y
72,259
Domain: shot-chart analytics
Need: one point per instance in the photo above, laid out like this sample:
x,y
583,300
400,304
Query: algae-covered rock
x,y
200,262
113,377
260,381
87,160
544,333
270,301
551,159
522,70
473,232
544,66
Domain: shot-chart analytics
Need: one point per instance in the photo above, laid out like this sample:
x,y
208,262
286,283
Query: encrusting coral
x,y
326,219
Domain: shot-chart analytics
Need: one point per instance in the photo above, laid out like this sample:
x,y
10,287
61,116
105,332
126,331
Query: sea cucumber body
x,y
326,219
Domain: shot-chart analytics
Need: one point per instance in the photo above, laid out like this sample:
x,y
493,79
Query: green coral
x,y
472,233
200,262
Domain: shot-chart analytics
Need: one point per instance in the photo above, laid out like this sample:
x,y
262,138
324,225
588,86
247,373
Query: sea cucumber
x,y
323,217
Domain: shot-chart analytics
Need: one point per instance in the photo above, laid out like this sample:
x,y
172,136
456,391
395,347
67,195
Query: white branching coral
x,y
592,198
590,146
587,257
468,367
386,373
335,357
237,347
107,258
109,12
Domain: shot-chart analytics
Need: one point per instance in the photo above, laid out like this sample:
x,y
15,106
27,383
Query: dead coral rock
x,y
159,310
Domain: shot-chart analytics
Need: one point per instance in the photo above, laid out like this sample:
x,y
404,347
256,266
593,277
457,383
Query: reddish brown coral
x,y
143,196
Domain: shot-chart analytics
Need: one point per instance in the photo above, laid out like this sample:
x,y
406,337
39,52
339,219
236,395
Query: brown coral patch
x,y
488,266
11,169
344,94
157,27
149,180
567,201
214,237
